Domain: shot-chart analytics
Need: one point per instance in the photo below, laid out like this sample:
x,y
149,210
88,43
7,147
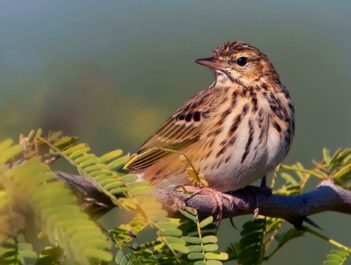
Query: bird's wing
x,y
180,131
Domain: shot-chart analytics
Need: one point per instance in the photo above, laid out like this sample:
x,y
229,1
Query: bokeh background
x,y
111,71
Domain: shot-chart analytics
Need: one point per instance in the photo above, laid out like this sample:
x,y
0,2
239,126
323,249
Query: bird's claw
x,y
217,198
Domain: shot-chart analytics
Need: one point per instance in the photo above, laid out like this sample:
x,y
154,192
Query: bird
x,y
233,132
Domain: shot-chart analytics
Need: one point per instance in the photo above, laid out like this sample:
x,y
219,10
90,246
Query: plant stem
x,y
327,239
302,170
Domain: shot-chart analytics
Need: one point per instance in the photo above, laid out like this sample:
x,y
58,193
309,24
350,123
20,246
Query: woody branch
x,y
326,197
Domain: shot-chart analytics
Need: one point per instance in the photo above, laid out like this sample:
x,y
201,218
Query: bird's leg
x,y
263,182
262,189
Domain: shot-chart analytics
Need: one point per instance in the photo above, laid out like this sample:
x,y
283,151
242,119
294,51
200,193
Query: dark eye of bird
x,y
241,61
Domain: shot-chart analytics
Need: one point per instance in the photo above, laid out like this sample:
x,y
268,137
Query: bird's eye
x,y
242,61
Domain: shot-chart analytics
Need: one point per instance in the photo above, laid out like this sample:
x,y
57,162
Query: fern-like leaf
x,y
203,247
16,251
32,185
250,248
125,191
336,257
50,256
56,210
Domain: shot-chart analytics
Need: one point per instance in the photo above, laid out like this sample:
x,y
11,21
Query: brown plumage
x,y
233,132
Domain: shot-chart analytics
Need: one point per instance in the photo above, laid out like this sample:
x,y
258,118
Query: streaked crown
x,y
231,51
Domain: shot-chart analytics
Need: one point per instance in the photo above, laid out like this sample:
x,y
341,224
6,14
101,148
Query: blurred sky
x,y
112,71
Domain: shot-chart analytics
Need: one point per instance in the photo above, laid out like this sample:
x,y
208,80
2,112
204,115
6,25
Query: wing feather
x,y
181,130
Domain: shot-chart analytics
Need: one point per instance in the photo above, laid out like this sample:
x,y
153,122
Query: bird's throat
x,y
223,78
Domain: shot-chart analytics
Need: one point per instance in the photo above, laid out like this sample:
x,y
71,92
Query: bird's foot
x,y
217,197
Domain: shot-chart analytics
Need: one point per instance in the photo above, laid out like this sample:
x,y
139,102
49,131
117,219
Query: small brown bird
x,y
233,132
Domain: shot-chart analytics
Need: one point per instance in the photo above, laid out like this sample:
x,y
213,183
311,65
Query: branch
x,y
94,202
295,209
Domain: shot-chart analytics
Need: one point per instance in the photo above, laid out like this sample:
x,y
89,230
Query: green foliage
x,y
250,248
338,166
15,251
203,248
336,257
31,188
50,256
31,194
255,245
127,193
60,219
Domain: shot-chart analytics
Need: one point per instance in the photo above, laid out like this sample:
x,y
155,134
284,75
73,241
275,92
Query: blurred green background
x,y
112,71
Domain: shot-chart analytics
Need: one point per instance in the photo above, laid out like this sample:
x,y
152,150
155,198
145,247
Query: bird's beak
x,y
210,62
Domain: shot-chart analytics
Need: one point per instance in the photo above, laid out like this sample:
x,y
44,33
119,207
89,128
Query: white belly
x,y
263,157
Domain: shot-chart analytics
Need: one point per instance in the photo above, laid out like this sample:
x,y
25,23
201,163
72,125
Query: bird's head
x,y
241,63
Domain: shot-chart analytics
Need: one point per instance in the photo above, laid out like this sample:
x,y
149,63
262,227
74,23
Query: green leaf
x,y
180,248
61,220
216,256
195,248
111,156
209,239
336,257
50,256
210,247
326,155
171,232
192,240
199,262
234,251
196,255
207,221
16,251
117,163
251,243
213,262
188,215
343,174
129,178
289,179
121,258
8,151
